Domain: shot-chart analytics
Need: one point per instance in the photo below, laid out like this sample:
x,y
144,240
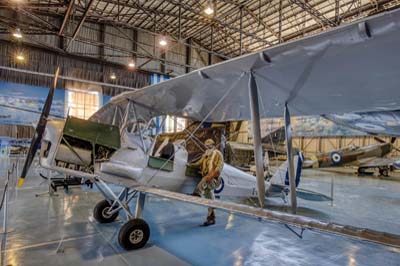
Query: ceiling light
x,y
17,33
163,41
131,64
209,8
20,57
113,76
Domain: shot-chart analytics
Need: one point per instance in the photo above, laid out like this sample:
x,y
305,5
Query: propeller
x,y
379,140
392,141
41,126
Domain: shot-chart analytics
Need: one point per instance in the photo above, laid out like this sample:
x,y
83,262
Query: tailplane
x,y
280,182
281,176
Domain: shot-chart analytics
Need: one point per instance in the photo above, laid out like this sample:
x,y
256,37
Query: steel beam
x,y
313,12
78,28
265,25
66,17
37,19
218,21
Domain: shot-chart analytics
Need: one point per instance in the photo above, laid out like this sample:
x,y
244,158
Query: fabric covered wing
x,y
280,217
352,68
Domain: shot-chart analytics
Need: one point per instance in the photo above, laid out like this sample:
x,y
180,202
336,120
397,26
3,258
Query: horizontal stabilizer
x,y
305,194
311,195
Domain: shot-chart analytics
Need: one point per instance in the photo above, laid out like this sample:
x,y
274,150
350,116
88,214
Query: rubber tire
x,y
128,228
361,171
98,212
384,172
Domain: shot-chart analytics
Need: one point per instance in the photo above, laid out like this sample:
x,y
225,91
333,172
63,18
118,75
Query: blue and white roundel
x,y
336,157
220,187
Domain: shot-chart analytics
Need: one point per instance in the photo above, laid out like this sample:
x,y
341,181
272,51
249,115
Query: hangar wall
x,y
312,145
113,45
98,52
45,62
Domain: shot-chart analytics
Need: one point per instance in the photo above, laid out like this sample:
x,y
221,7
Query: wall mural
x,y
21,104
350,124
308,126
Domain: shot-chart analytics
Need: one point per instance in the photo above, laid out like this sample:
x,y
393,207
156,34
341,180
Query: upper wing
x,y
352,68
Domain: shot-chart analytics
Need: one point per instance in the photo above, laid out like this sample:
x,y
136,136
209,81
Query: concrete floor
x,y
60,230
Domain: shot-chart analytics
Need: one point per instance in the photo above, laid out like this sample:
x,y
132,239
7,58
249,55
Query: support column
x,y
280,22
241,31
134,44
258,157
162,62
210,55
289,152
179,22
188,55
102,40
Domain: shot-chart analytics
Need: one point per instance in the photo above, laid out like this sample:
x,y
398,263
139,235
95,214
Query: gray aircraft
x,y
291,78
366,157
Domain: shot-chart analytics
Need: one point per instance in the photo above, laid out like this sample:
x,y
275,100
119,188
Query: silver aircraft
x,y
67,147
323,74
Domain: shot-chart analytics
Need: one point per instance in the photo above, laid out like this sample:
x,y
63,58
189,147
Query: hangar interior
x,y
108,48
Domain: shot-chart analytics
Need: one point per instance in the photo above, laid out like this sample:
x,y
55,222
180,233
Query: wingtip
x,y
21,182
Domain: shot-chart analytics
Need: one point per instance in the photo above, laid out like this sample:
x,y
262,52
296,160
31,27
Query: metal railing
x,y
5,197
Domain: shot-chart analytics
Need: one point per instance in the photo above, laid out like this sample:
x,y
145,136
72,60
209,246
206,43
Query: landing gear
x,y
103,213
135,233
362,171
384,171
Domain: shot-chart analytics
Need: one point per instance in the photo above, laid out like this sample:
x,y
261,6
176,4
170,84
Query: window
x,y
170,124
82,103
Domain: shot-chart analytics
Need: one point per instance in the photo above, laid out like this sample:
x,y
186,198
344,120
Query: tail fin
x,y
281,176
280,182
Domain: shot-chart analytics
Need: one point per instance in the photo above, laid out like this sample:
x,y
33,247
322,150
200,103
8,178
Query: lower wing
x,y
284,218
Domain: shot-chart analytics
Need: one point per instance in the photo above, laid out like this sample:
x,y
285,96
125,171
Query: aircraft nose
x,y
387,148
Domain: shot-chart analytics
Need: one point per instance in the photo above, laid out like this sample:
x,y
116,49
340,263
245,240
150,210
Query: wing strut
x,y
255,119
289,151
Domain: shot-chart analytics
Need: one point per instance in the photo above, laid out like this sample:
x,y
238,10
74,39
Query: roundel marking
x,y
336,157
220,187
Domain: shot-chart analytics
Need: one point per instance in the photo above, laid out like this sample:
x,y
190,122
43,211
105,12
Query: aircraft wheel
x,y
361,171
384,172
100,212
134,234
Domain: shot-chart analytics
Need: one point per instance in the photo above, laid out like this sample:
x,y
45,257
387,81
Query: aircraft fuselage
x,y
129,165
